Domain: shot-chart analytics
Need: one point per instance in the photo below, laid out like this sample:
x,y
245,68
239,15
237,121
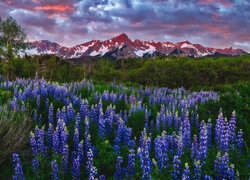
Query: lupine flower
x,y
35,164
209,133
207,177
203,144
186,172
56,144
232,127
131,163
186,132
76,168
176,171
102,126
222,168
239,141
218,127
161,151
33,143
49,135
18,168
91,170
224,138
194,148
197,170
118,173
40,140
143,153
65,159
54,171
70,113
75,139
80,152
51,115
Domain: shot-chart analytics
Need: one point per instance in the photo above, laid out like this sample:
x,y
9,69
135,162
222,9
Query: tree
x,y
12,38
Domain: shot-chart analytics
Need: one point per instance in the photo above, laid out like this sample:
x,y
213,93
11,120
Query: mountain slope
x,y
122,47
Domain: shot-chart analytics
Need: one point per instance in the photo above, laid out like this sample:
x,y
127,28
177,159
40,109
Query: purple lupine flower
x,y
91,170
55,142
160,151
194,148
80,152
76,168
78,122
186,132
232,127
118,173
58,114
186,172
197,170
54,170
203,144
19,175
39,133
49,135
117,143
131,144
33,143
176,171
75,139
86,123
63,135
207,177
63,115
209,133
131,163
51,115
102,126
102,177
224,138
222,168
35,164
239,141
70,113
65,159
143,153
218,127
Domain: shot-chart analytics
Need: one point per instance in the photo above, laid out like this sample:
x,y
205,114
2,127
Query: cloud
x,y
208,22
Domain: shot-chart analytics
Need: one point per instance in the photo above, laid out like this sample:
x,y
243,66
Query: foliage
x,y
12,37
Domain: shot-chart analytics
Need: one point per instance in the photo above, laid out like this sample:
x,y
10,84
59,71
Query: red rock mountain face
x,y
121,47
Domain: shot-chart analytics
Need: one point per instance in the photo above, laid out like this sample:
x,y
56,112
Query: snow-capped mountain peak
x,y
122,46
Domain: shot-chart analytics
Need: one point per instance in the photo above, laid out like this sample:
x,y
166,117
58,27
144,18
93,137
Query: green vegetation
x,y
171,72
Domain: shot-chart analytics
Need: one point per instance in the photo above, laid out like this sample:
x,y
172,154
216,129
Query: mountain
x,y
121,47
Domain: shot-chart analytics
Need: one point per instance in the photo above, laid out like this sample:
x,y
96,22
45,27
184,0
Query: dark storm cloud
x,y
218,23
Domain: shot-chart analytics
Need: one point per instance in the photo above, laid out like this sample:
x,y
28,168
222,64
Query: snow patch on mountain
x,y
150,50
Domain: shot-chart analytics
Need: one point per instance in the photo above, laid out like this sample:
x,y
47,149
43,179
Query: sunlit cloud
x,y
216,23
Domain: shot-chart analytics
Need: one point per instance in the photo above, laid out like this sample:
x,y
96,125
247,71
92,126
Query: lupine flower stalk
x,y
18,168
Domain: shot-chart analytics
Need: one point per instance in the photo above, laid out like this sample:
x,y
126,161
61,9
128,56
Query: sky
x,y
212,23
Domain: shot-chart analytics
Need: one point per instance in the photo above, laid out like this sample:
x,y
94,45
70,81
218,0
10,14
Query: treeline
x,y
163,71
50,67
175,72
